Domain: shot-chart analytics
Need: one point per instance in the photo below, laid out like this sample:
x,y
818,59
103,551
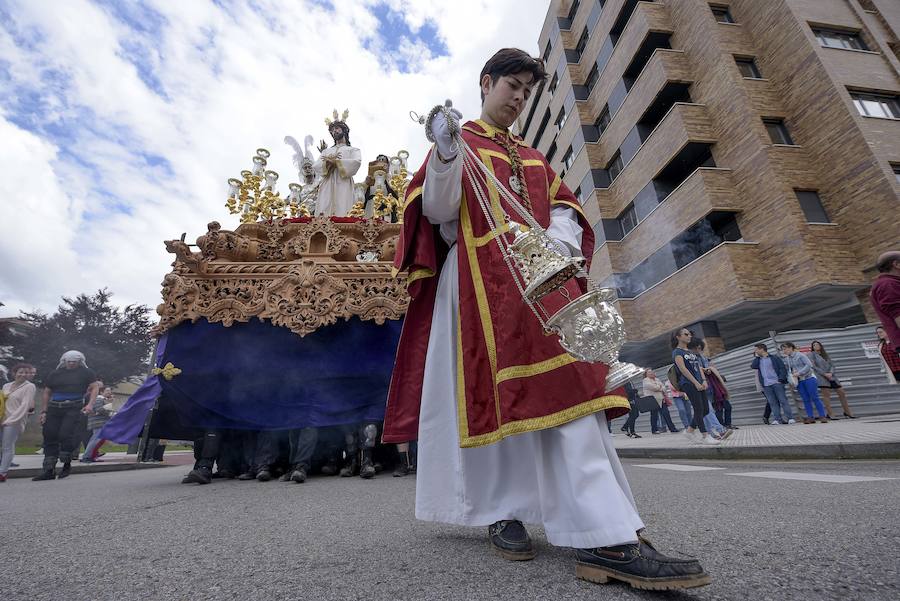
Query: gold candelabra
x,y
254,196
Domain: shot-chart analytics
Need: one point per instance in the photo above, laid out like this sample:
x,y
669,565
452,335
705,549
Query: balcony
x,y
683,125
648,18
665,66
705,191
725,276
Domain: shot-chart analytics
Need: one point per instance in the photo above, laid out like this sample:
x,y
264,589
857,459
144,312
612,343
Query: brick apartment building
x,y
739,160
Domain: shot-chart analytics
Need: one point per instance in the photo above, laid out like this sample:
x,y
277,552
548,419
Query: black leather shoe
x,y
299,474
510,540
640,566
65,471
45,475
264,475
200,475
247,476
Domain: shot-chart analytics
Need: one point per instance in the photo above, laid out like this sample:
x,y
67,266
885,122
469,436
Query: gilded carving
x,y
300,275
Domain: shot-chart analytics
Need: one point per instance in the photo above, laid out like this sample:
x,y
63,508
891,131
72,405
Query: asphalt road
x,y
142,535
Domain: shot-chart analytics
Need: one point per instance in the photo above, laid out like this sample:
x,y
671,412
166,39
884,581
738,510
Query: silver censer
x,y
589,327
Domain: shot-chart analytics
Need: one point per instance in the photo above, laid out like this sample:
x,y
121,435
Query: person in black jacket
x,y
62,409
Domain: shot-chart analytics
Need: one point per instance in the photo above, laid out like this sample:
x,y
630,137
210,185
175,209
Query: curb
x,y
30,472
879,450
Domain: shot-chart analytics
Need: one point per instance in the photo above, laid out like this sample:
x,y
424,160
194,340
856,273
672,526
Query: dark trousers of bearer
x,y
62,430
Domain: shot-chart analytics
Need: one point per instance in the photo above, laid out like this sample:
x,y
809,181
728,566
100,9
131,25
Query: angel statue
x,y
309,181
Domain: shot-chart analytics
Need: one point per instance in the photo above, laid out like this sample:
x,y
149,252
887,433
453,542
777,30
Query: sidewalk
x,y
871,437
30,465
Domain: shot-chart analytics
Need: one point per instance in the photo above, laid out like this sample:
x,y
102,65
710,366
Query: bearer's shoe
x,y
299,474
639,565
510,540
367,468
264,475
248,475
351,467
200,475
46,475
65,471
402,467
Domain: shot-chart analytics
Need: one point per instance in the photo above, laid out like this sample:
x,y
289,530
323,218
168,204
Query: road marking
x,y
811,477
677,467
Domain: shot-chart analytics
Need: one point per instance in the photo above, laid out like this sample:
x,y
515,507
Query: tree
x,y
115,341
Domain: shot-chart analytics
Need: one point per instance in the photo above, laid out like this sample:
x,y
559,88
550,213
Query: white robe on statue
x,y
336,190
567,478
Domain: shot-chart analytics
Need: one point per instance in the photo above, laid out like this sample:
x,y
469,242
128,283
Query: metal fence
x,y
863,376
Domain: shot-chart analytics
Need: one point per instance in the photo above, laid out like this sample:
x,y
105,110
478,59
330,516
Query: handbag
x,y
647,403
792,379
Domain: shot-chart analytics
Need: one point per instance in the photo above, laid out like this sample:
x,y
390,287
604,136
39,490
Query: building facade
x,y
739,160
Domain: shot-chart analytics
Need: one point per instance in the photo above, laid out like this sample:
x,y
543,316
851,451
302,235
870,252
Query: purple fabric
x,y
126,425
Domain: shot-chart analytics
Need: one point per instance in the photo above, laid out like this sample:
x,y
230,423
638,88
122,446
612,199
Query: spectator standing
x,y
628,428
61,411
807,385
19,395
885,296
710,420
889,356
654,387
772,376
823,367
692,382
96,419
718,392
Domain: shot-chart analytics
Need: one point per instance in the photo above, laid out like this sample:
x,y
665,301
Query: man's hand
x,y
446,146
703,386
43,417
87,409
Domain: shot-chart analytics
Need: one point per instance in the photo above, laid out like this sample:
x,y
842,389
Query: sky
x,y
120,121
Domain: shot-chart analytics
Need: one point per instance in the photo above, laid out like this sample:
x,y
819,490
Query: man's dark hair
x,y
343,127
510,61
695,343
887,261
789,345
762,346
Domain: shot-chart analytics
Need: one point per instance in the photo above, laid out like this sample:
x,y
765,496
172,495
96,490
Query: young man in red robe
x,y
511,428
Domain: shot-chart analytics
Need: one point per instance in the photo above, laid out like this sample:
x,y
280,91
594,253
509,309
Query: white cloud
x,y
89,210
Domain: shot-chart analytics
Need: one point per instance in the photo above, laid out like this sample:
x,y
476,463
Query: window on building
x,y
561,119
748,68
629,219
578,195
812,206
592,78
553,83
547,50
573,9
834,38
896,168
569,158
721,13
615,166
582,42
602,121
876,105
551,152
778,131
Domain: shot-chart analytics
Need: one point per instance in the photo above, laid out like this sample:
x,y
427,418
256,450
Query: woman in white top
x,y
19,403
654,387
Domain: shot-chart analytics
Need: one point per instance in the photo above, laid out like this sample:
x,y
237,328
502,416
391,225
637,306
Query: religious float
x,y
291,320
